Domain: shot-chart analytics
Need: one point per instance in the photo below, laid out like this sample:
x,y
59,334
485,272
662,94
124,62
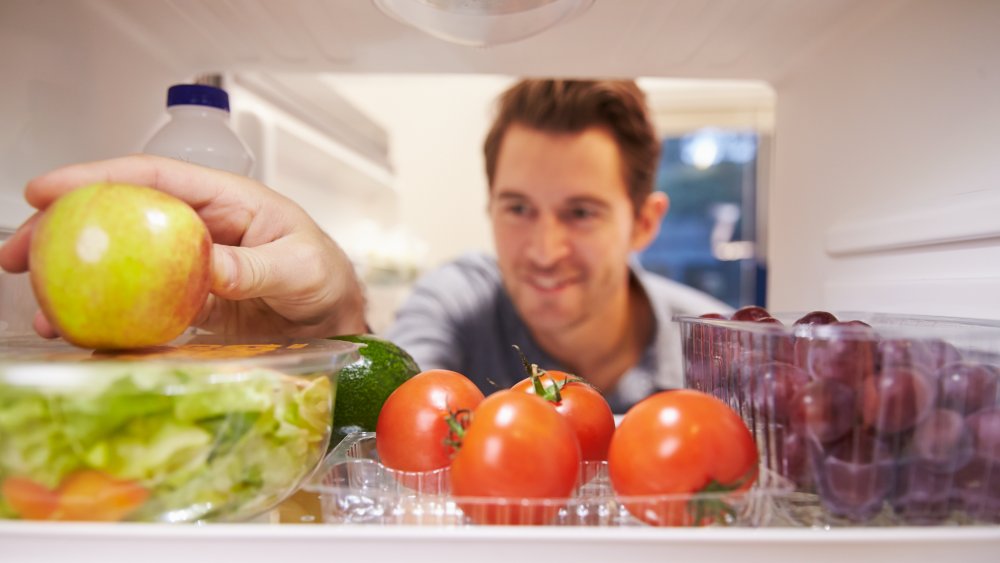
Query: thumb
x,y
240,272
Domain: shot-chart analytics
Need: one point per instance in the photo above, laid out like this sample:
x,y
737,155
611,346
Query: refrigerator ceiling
x,y
741,39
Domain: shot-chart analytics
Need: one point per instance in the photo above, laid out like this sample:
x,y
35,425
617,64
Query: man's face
x,y
563,225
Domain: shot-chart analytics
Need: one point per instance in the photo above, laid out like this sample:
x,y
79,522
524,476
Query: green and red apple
x,y
116,266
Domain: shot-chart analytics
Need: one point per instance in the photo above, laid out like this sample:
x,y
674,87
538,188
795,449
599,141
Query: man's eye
x,y
581,213
518,209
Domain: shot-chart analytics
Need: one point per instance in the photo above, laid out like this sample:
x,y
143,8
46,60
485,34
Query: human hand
x,y
274,271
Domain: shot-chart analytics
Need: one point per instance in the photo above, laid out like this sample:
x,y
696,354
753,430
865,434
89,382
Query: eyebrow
x,y
586,200
510,195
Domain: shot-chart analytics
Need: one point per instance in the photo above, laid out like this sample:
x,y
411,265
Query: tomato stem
x,y
715,509
710,511
553,393
524,359
716,487
457,422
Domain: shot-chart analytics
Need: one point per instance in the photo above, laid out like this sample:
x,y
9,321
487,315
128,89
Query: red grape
x,y
985,427
792,459
978,483
703,354
942,441
897,399
772,390
817,318
968,387
922,495
943,353
777,345
801,344
978,487
855,476
750,313
847,355
905,352
825,410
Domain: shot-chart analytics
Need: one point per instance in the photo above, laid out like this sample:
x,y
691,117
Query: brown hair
x,y
572,106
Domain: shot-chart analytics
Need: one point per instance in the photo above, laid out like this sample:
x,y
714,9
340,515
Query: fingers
x,y
194,184
270,260
231,205
14,252
304,276
233,274
261,271
43,327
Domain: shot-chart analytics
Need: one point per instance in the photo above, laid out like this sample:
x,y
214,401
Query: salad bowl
x,y
204,429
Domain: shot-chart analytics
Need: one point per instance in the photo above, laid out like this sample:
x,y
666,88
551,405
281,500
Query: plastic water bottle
x,y
199,130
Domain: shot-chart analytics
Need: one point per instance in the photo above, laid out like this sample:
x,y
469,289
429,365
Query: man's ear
x,y
647,221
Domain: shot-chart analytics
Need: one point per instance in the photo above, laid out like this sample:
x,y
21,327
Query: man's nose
x,y
549,242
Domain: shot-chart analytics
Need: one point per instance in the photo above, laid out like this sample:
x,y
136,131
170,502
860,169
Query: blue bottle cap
x,y
197,95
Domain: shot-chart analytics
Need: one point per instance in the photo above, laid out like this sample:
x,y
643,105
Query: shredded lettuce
x,y
32,442
206,445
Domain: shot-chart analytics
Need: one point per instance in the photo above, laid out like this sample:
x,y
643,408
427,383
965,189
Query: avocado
x,y
363,386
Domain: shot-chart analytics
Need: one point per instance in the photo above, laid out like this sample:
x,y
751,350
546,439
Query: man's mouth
x,y
547,284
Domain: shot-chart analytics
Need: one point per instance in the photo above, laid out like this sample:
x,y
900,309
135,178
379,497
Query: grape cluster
x,y
865,420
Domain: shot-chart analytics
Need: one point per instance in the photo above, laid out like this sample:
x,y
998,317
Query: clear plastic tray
x,y
354,488
897,422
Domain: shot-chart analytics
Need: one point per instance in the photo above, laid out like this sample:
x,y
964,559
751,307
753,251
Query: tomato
x,y
29,499
516,447
412,432
581,405
680,442
93,495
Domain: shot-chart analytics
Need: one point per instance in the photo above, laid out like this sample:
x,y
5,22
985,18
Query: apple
x,y
116,266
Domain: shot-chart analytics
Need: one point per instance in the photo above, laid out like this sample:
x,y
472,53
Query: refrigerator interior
x,y
883,191
884,188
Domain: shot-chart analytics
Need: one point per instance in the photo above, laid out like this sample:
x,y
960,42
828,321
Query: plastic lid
x,y
33,361
197,95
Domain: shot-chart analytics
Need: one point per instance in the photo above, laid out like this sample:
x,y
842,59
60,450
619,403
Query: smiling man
x,y
570,166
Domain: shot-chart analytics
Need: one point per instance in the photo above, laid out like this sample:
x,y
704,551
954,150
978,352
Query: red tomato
x,y
516,447
582,406
93,495
29,500
412,431
680,442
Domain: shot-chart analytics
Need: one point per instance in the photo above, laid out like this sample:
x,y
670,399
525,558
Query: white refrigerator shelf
x,y
250,543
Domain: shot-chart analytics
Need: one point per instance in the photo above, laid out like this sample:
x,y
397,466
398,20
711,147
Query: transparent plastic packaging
x,y
199,131
204,429
891,421
354,488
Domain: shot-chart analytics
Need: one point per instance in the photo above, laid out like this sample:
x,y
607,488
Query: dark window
x,y
708,239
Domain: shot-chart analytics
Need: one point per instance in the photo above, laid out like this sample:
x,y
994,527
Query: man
x,y
570,167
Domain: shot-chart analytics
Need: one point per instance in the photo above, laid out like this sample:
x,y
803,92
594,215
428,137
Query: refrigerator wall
x,y
885,184
886,188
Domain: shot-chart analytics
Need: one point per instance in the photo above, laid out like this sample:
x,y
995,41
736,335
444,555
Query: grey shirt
x,y
460,317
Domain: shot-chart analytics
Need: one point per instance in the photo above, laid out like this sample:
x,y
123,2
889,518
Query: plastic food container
x,y
354,488
205,429
893,420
